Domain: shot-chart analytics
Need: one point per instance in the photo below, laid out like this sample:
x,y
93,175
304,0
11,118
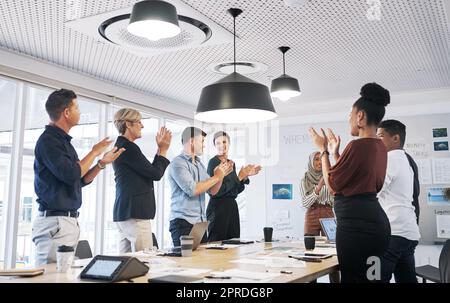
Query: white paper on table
x,y
161,261
182,271
275,262
443,226
251,261
279,262
324,251
141,254
246,276
425,172
441,170
222,245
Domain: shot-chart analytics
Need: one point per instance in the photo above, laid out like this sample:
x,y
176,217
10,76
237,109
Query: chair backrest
x,y
83,250
444,263
155,242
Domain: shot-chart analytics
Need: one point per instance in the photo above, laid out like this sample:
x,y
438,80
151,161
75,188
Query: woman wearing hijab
x,y
315,196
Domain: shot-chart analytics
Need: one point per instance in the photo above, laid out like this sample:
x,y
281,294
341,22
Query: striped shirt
x,y
324,197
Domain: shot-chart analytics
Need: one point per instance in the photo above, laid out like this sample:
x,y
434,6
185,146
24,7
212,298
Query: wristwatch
x,y
100,165
325,152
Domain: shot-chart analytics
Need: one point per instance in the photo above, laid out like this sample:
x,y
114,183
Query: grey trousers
x,y
50,232
135,235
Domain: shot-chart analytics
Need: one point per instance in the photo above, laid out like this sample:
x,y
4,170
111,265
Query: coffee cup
x,y
64,258
268,234
310,242
187,243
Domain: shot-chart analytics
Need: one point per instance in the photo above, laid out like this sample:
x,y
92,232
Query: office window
x,y
176,127
84,136
8,96
35,120
148,146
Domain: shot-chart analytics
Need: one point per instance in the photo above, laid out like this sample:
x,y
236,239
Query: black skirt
x,y
362,237
223,217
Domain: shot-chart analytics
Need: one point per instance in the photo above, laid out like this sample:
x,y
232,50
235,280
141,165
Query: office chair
x,y
437,275
155,242
83,250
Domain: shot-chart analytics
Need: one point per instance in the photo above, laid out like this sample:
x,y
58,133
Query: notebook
x,y
22,272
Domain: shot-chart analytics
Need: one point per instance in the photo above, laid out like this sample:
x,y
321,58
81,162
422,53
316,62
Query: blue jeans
x,y
181,227
399,260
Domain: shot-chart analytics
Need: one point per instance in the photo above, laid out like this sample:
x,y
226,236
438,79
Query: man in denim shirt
x,y
59,176
189,182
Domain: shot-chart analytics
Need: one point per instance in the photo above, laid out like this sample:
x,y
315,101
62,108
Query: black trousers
x,y
181,227
223,217
362,236
399,260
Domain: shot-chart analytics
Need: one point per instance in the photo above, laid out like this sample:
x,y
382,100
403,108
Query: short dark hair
x,y
374,99
58,101
394,127
220,134
191,132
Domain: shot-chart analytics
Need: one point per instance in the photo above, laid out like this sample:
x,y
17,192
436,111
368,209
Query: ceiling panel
x,y
335,48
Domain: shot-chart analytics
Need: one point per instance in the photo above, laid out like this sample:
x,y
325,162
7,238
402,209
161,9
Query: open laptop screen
x,y
329,227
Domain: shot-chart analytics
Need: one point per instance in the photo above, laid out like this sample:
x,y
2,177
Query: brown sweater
x,y
360,169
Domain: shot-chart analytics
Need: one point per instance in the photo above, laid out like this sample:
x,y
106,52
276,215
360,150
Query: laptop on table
x,y
329,228
197,232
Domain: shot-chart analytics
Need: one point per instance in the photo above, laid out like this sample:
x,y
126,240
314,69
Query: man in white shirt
x,y
396,198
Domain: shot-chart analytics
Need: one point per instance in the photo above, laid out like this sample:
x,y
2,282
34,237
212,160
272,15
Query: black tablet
x,y
111,268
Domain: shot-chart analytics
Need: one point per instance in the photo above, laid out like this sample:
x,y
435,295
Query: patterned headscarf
x,y
312,176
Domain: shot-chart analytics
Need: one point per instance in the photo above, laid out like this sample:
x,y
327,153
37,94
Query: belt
x,y
54,213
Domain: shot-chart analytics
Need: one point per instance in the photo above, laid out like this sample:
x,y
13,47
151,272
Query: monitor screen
x,y
103,268
329,227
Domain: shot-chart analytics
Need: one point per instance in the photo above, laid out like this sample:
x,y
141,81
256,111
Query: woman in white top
x,y
315,196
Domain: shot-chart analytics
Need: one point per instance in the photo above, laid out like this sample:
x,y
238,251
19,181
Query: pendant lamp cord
x,y
234,42
284,65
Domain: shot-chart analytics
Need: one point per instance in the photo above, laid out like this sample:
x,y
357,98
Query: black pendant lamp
x,y
154,20
235,98
285,87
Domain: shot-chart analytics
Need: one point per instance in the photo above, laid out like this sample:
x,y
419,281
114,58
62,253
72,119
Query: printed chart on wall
x,y
441,170
443,226
425,172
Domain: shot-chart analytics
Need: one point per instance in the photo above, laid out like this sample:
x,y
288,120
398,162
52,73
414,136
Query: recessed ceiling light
x,y
242,67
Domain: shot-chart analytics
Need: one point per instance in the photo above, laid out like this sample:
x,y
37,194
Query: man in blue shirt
x,y
59,176
189,182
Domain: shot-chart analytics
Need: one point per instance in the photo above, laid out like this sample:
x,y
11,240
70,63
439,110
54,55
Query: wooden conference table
x,y
215,260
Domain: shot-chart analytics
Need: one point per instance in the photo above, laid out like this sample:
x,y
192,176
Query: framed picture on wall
x,y
441,146
440,132
282,191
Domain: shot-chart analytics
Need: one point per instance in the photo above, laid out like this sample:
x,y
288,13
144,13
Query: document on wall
x,y
425,173
441,170
443,226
